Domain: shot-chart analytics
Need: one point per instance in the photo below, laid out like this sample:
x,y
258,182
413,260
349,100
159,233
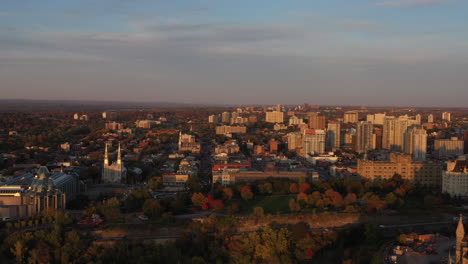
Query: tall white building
x,y
333,135
418,119
364,137
294,140
376,119
225,117
416,142
350,117
394,130
213,119
430,118
313,141
447,116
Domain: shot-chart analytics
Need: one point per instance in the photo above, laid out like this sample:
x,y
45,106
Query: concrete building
x,y
294,120
350,117
294,141
447,116
174,179
221,130
233,176
225,117
313,142
114,126
430,118
333,135
394,130
274,117
188,143
425,172
448,148
376,119
229,147
416,142
213,119
364,137
317,121
418,119
455,178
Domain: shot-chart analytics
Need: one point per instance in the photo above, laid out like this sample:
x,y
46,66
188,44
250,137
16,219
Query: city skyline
x,y
391,53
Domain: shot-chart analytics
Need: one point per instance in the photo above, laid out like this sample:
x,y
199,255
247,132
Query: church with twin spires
x,y
114,173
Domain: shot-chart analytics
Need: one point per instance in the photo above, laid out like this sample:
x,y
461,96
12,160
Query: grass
x,y
270,204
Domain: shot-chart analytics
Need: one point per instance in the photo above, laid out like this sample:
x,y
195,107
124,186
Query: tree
x,y
258,212
18,250
152,208
218,205
429,201
336,200
155,183
393,201
305,188
110,209
246,192
374,203
199,199
294,206
293,188
194,184
227,193
350,198
267,188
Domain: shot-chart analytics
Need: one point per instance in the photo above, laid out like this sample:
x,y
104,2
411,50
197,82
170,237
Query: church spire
x,y
180,139
460,235
106,157
119,156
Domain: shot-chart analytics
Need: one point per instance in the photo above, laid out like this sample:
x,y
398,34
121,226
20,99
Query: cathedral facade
x,y
115,172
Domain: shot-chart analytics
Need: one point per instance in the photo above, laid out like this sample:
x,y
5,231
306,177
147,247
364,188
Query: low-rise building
x,y
425,172
233,176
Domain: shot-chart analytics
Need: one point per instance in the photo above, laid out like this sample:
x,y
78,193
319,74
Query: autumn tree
x,y
350,198
305,188
227,193
293,188
199,199
246,192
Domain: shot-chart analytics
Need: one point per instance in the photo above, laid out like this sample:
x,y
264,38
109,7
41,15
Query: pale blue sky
x,y
360,52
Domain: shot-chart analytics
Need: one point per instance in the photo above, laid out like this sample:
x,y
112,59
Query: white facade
x,y
416,143
364,137
455,179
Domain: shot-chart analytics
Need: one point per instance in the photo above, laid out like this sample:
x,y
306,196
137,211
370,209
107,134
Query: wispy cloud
x,y
410,3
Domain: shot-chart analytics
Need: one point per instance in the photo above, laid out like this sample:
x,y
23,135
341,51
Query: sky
x,y
326,52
